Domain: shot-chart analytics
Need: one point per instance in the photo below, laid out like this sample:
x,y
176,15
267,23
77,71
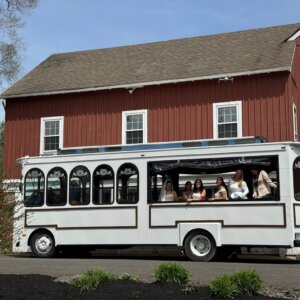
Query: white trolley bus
x,y
109,196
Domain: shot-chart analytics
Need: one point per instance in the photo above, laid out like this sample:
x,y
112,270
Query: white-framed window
x,y
51,134
134,127
227,119
295,123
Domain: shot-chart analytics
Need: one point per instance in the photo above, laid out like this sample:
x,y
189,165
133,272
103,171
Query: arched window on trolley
x,y
128,184
57,187
34,186
80,185
103,182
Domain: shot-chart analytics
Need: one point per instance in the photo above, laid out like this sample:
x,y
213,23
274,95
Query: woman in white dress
x,y
167,193
238,188
199,192
221,193
188,191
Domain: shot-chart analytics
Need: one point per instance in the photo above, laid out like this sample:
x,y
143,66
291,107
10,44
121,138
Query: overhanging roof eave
x,y
149,83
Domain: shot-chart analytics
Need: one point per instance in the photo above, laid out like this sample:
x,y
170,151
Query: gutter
x,y
149,83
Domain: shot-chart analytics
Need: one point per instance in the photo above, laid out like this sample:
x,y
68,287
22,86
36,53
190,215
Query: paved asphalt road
x,y
285,274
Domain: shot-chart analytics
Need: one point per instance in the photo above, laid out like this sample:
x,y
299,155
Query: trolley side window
x,y
79,188
34,188
128,184
296,175
56,187
186,172
103,185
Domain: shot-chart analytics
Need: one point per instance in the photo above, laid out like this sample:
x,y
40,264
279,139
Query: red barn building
x,y
236,84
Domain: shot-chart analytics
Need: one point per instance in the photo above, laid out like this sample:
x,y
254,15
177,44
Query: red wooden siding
x,y
294,81
175,112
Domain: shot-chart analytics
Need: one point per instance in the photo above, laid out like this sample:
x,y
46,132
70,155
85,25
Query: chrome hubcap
x,y
200,245
43,244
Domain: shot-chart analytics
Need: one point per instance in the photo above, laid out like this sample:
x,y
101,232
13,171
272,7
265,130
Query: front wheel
x,y
200,246
42,244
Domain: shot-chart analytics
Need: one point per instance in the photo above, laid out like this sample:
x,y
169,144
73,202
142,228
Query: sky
x,y
57,26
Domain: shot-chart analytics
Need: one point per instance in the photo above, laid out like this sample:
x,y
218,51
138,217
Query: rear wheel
x,y
200,246
42,244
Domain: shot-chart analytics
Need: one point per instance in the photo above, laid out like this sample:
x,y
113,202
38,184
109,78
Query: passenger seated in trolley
x,y
167,192
35,199
261,183
238,188
199,192
222,193
188,191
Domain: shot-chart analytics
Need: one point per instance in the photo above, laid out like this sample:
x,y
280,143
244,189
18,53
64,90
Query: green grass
x,y
249,282
172,273
223,287
245,282
91,279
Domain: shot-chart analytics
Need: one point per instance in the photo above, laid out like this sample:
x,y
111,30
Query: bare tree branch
x,y
11,12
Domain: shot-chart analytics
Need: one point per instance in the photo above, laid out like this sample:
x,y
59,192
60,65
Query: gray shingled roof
x,y
196,58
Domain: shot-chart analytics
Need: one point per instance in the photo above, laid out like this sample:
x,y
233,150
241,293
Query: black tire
x,y
200,246
42,244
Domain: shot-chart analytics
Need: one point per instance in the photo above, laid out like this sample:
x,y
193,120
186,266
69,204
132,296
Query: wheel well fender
x,y
213,229
40,230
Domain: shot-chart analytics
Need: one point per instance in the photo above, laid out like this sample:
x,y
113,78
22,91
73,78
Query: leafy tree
x,y
11,12
8,205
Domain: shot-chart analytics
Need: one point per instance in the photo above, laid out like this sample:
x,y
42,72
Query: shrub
x,y
249,282
172,272
93,278
223,287
8,206
244,282
127,276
